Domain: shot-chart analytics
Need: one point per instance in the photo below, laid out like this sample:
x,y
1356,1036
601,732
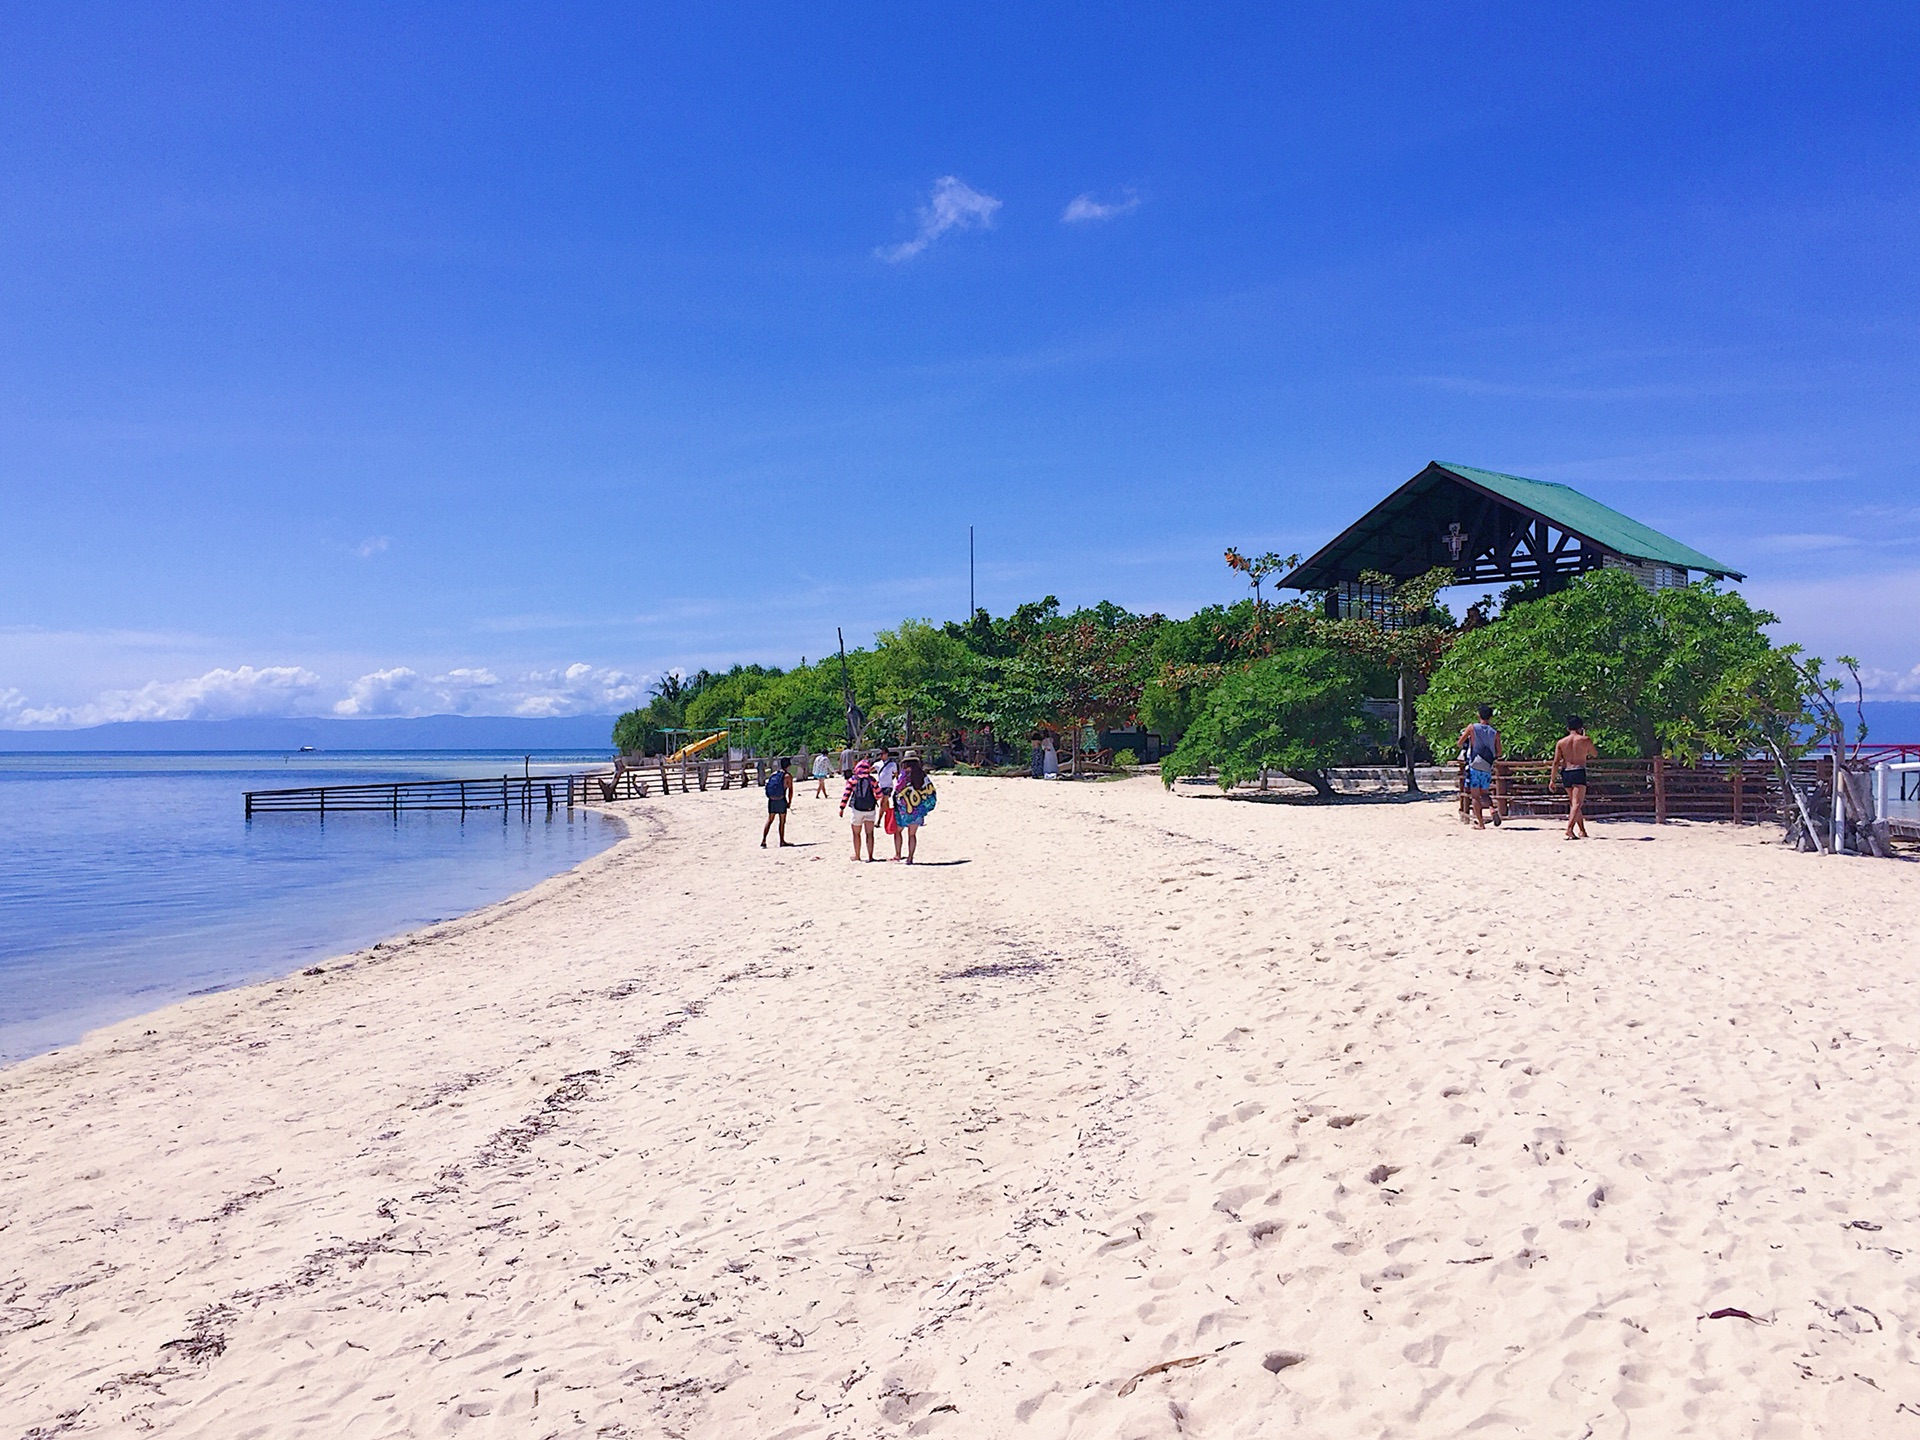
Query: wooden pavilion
x,y
1491,527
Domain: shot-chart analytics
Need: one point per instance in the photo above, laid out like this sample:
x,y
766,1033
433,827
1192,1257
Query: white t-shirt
x,y
888,776
821,769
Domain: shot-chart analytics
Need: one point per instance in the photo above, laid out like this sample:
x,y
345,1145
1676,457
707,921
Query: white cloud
x,y
1890,684
1084,207
405,691
954,205
371,546
577,689
217,695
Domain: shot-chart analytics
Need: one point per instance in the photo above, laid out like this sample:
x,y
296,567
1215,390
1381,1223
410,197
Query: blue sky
x,y
372,359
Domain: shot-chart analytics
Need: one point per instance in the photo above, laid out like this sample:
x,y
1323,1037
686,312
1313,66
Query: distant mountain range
x,y
427,732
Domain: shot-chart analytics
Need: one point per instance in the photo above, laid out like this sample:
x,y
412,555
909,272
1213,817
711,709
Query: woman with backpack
x,y
913,799
779,800
863,794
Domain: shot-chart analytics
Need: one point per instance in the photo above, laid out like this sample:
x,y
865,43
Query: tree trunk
x,y
1322,787
1406,729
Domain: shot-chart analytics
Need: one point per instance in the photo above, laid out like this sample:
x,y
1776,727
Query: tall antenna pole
x,y
970,605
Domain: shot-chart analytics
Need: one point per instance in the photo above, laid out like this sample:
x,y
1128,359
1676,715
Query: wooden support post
x,y
1659,789
664,788
1500,788
1739,792
700,774
249,805
396,803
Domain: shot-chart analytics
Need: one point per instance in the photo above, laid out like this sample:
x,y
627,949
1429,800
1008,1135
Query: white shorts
x,y
863,817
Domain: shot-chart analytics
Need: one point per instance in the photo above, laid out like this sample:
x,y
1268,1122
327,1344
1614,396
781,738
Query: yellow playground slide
x,y
687,752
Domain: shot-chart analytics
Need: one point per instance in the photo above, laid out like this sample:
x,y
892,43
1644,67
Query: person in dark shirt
x,y
779,800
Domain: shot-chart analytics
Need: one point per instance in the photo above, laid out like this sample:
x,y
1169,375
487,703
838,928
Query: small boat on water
x,y
306,749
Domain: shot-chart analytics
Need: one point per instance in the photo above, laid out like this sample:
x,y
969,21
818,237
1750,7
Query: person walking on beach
x,y
913,800
1049,758
863,794
1570,756
821,769
1480,747
887,773
779,800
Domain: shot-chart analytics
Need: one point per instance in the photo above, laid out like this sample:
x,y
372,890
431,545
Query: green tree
x,y
1646,669
1297,712
925,672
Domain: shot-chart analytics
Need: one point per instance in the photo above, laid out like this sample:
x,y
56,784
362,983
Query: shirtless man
x,y
1570,757
1479,748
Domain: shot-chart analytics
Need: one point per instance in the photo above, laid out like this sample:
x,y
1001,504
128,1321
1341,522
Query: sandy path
x,y
702,1140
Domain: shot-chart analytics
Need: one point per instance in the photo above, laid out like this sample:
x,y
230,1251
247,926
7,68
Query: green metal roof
x,y
1587,517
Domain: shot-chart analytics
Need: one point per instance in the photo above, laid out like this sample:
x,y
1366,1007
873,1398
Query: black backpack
x,y
864,794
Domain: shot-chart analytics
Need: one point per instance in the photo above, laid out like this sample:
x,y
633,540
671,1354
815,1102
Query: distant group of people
x,y
890,795
1480,748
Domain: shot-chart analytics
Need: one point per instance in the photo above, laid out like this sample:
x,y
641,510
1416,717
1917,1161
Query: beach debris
x,y
1597,1198
1260,1230
1734,1312
207,1340
1127,1387
1278,1360
999,970
1341,1122
1846,1315
1861,1225
1381,1173
313,970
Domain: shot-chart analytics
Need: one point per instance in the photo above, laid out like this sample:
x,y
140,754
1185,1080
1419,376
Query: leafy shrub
x,y
1298,712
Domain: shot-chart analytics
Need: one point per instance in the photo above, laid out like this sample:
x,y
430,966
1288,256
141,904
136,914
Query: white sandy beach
x,y
1133,1115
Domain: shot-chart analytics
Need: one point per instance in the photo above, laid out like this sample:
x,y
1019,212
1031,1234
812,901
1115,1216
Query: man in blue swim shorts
x,y
1480,747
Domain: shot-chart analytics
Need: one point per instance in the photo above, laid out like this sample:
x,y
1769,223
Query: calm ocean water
x,y
128,881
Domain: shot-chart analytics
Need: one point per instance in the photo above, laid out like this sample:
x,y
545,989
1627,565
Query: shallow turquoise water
x,y
128,881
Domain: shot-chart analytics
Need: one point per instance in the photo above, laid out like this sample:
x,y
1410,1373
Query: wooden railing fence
x,y
1744,792
526,794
